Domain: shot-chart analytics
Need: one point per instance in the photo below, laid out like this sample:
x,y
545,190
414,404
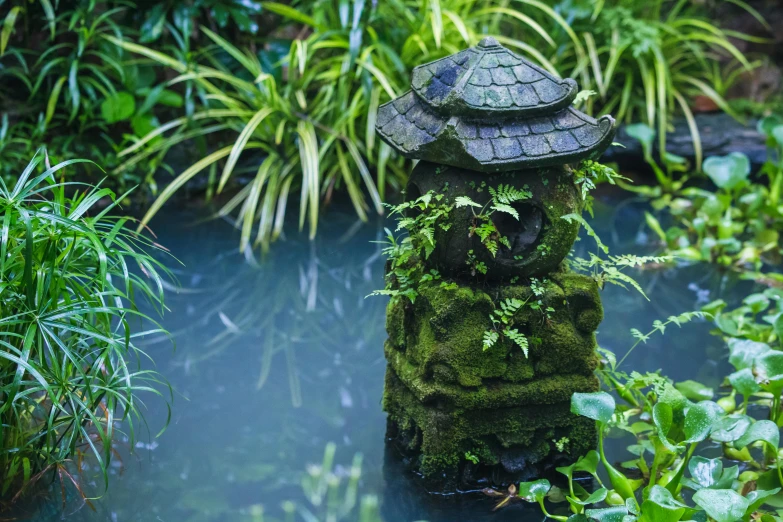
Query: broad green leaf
x,y
695,391
728,172
534,491
768,368
660,506
758,497
644,134
612,514
709,473
118,107
743,352
595,497
763,430
723,505
699,420
730,428
598,406
744,382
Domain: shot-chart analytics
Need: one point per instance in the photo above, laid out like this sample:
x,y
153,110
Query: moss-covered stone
x,y
540,239
518,438
438,339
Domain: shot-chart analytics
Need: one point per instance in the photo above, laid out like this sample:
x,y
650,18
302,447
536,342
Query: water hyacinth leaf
x,y
611,514
709,473
695,391
661,506
534,491
663,418
768,368
758,497
722,505
742,353
728,172
730,428
766,124
699,420
744,382
763,430
598,406
596,496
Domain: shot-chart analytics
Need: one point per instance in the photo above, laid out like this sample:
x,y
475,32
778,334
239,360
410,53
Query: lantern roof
x,y
488,109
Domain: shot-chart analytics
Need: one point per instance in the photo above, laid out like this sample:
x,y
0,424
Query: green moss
x,y
440,335
443,435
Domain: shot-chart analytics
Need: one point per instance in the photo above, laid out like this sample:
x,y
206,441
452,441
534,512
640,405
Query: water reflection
x,y
273,361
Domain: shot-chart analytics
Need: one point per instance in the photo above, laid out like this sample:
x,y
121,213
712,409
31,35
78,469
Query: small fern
x,y
490,338
518,338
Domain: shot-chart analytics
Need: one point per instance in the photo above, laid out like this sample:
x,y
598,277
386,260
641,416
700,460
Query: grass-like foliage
x,y
68,355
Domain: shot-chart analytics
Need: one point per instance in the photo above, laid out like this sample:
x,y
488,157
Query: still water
x,y
273,361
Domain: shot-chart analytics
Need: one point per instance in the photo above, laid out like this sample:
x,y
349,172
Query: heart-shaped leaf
x,y
763,430
757,498
598,406
660,506
709,473
699,419
644,134
612,514
742,353
728,172
534,491
744,382
595,497
723,505
768,368
730,427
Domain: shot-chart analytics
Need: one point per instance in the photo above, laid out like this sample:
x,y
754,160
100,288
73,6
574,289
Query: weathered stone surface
x,y
519,439
461,104
540,239
421,133
435,343
490,80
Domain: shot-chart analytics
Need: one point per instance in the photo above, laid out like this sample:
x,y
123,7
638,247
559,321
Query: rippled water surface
x,y
274,361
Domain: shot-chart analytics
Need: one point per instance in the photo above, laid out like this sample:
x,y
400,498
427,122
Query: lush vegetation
x,y
69,372
287,104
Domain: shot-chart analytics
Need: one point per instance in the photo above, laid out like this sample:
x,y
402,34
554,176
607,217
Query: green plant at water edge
x,y
665,479
737,225
69,326
419,218
328,500
304,121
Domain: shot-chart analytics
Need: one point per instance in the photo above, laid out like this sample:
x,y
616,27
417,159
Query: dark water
x,y
273,362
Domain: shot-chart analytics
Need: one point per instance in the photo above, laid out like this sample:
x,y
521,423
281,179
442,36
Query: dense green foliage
x,y
296,87
735,221
69,326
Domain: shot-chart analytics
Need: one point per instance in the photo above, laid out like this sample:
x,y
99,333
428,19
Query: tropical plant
x,y
311,113
736,224
69,326
666,479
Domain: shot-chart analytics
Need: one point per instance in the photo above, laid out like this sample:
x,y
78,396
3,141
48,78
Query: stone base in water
x,y
451,403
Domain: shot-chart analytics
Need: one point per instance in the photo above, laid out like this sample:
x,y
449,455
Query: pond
x,y
274,361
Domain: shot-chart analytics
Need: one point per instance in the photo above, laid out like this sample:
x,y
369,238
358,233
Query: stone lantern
x,y
476,120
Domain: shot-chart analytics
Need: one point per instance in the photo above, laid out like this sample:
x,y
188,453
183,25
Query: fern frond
x,y
490,338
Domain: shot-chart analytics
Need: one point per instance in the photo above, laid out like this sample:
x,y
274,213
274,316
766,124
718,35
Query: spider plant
x,y
69,323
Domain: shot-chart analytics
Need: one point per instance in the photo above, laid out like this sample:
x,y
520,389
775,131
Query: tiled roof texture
x,y
491,112
563,137
490,79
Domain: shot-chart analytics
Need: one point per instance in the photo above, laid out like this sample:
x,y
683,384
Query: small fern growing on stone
x,y
502,198
503,321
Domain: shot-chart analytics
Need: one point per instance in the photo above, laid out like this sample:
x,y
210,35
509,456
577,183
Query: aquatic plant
x,y
666,479
735,224
69,326
325,89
